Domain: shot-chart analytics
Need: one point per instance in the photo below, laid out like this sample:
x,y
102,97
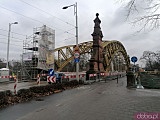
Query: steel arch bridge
x,y
110,48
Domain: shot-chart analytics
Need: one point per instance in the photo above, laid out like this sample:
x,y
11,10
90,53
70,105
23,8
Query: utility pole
x,y
75,12
9,32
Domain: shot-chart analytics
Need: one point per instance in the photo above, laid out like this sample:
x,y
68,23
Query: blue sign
x,y
76,60
51,72
134,59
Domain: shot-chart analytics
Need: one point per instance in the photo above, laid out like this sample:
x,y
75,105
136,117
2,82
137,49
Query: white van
x,y
4,75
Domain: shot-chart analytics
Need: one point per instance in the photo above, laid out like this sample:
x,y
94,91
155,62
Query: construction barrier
x,y
38,79
72,76
95,76
102,76
15,84
82,77
105,76
6,76
92,76
51,79
43,74
69,76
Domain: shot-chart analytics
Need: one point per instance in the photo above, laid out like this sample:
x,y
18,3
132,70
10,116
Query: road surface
x,y
98,101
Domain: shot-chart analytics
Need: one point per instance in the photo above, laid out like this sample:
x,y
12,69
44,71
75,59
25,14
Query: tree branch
x,y
150,21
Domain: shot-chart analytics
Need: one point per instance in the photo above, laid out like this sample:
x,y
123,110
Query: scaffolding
x,y
38,52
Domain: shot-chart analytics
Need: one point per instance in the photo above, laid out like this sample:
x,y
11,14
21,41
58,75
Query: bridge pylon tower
x,y
96,61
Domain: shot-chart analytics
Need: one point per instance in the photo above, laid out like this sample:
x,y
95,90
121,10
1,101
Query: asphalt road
x,y
98,101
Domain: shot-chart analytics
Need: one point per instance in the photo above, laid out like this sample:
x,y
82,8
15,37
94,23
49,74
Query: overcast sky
x,y
35,13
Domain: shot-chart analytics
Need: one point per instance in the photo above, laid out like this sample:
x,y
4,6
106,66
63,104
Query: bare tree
x,y
144,12
2,60
148,56
152,60
157,55
2,63
83,62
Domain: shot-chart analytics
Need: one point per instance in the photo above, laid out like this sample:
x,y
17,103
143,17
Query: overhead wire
x,y
10,44
37,21
11,40
21,14
13,32
31,18
46,12
12,37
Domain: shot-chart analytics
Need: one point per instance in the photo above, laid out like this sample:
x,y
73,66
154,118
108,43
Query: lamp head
x,y
15,23
37,33
65,7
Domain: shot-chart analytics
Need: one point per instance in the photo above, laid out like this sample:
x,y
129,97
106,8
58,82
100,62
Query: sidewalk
x,y
21,85
123,103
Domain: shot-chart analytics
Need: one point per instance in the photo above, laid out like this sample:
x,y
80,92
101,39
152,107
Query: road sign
x,y
134,59
76,60
51,79
76,55
51,72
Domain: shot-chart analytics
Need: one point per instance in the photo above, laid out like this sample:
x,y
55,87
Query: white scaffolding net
x,y
46,45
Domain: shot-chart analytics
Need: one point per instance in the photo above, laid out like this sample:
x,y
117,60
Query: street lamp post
x,y
9,32
75,12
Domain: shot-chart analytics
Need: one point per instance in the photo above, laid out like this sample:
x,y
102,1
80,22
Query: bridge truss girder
x,y
110,48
